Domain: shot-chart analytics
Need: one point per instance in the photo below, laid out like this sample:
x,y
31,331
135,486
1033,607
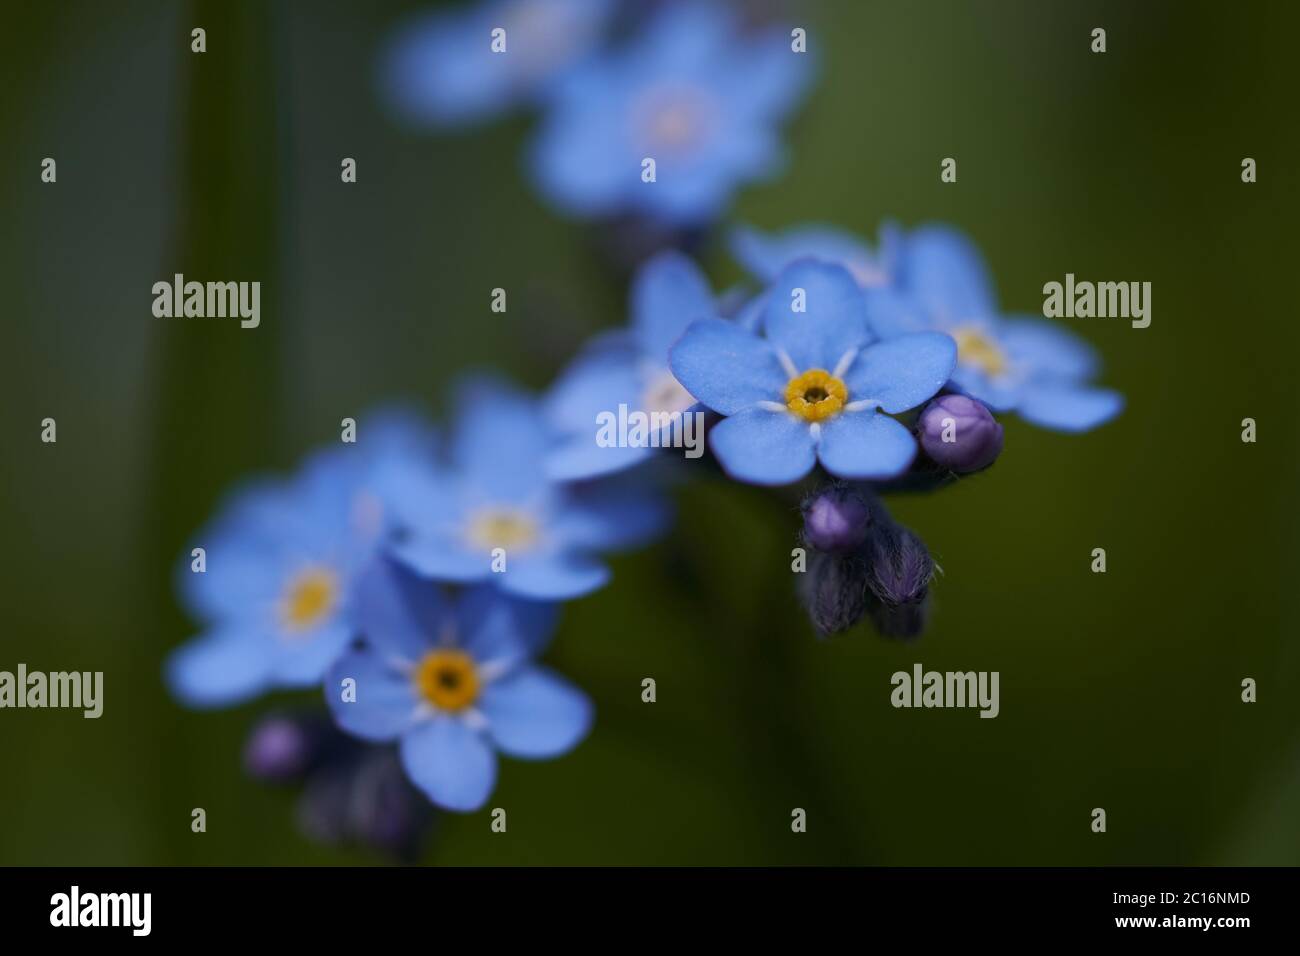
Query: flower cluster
x,y
687,102
416,579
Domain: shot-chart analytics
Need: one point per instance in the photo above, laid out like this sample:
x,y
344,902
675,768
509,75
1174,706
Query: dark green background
x,y
1118,690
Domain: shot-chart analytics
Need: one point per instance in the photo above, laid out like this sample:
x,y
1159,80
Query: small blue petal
x,y
669,293
902,372
1048,350
451,763
498,627
442,557
833,321
865,446
532,713
385,704
1069,408
766,255
579,458
610,517
397,612
301,660
551,577
220,668
946,272
500,440
726,367
891,313
764,447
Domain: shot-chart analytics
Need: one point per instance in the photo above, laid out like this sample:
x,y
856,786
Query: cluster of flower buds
x,y
862,563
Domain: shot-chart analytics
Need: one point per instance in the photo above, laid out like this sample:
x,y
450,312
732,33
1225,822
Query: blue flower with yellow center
x,y
453,683
629,370
495,515
279,563
814,386
442,68
691,92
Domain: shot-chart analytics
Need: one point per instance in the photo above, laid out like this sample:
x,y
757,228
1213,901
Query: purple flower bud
x,y
959,433
834,592
900,570
836,520
281,749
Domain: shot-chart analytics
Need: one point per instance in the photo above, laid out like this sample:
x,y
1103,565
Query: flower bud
x,y
282,749
899,573
958,433
836,520
834,591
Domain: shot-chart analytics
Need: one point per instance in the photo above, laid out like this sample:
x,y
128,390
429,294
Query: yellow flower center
x,y
815,395
310,597
977,349
447,679
506,528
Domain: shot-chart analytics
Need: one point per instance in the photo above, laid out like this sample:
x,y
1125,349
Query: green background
x,y
1119,690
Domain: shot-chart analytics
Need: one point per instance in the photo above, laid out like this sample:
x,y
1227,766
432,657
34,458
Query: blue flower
x,y
629,370
280,560
693,94
1036,368
813,388
766,254
496,515
453,683
441,68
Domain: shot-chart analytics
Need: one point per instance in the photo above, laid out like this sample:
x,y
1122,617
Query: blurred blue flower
x,y
440,68
812,389
454,683
279,564
690,92
496,515
628,369
1031,366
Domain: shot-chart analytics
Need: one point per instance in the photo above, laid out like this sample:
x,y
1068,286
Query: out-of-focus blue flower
x,y
764,255
690,92
279,565
454,683
1030,366
628,370
496,515
441,68
813,388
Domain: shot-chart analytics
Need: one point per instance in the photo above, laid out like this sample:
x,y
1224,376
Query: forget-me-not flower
x,y
279,565
815,386
630,370
495,515
1036,368
692,93
453,683
447,68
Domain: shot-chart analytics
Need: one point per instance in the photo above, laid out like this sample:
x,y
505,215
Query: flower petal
x,y
302,660
451,763
493,626
551,576
763,447
834,319
443,558
385,703
726,367
533,713
220,668
669,293
944,269
1050,350
865,446
902,372
1068,408
398,613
